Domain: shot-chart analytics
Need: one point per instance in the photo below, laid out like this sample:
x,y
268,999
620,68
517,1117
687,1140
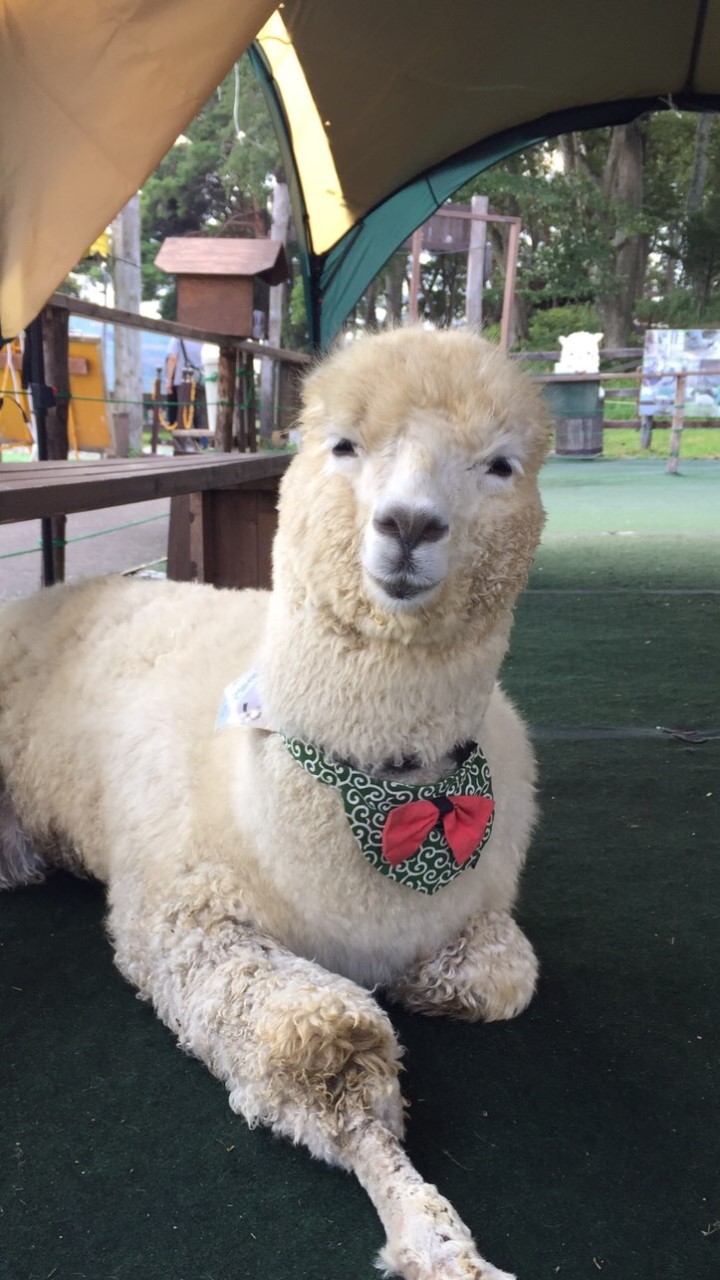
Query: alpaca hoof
x,y
489,973
433,1243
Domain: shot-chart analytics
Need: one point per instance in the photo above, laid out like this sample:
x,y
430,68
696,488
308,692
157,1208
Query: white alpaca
x,y
241,902
579,353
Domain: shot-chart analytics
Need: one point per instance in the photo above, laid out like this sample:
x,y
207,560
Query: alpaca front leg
x,y
426,1239
488,972
300,1049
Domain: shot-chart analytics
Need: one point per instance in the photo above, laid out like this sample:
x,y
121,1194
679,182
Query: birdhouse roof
x,y
202,256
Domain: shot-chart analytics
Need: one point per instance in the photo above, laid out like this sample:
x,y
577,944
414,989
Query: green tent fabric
x,y
385,110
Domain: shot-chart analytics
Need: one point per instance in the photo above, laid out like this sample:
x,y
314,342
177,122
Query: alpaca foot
x,y
489,972
426,1238
432,1243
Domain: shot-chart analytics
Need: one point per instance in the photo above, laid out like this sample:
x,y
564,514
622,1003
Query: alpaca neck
x,y
374,700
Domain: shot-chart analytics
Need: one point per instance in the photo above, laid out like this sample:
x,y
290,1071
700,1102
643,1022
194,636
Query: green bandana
x,y
368,802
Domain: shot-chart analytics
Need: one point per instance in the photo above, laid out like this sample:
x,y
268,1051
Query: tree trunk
x,y
394,280
700,164
370,301
278,231
128,342
520,314
476,264
623,188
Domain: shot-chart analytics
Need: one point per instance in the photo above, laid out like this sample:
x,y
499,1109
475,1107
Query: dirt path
x,y
126,537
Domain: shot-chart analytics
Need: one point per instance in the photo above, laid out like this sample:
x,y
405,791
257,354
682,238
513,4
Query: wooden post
x,y
413,302
510,277
183,442
268,380
647,422
247,434
476,262
678,422
157,395
226,400
224,536
55,327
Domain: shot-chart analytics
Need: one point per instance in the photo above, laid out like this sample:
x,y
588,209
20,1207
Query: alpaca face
x,y
420,495
415,492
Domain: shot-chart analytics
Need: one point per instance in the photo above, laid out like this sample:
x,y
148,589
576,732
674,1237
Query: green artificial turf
x,y
579,1141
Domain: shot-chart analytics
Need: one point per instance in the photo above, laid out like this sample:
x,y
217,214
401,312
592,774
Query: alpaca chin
x,y
401,595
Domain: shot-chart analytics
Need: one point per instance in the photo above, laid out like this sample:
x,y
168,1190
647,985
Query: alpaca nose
x,y
410,525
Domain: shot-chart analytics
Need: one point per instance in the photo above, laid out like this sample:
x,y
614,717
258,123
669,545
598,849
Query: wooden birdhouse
x,y
215,279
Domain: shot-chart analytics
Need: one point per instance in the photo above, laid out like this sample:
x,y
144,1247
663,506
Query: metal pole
x,y
38,393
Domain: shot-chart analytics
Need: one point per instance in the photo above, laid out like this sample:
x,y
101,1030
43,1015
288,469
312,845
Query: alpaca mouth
x,y
402,587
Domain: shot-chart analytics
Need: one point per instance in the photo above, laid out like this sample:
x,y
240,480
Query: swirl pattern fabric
x,y
368,803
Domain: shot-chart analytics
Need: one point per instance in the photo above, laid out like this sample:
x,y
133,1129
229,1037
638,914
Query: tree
x,y
622,187
216,179
128,351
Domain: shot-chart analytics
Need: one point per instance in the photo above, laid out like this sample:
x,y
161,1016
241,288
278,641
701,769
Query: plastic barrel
x,y
577,408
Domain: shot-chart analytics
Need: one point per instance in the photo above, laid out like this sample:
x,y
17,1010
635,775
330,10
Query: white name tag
x,y
241,706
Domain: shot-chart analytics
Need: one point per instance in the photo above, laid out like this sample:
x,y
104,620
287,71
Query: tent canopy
x,y
383,110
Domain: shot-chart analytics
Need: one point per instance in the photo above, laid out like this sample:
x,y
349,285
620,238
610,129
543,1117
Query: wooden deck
x,y
36,490
223,512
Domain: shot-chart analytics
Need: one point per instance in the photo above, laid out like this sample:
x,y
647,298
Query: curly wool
x,y
240,904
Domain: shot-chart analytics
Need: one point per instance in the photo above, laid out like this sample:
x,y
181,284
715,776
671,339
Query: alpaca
x,y
253,897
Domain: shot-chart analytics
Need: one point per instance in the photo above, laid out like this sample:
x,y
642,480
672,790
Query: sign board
x,y
14,403
692,351
88,422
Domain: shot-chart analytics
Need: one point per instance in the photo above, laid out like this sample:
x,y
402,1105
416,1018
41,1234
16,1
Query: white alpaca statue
x,y
579,353
356,811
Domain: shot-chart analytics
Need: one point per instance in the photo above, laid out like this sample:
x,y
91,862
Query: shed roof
x,y
202,256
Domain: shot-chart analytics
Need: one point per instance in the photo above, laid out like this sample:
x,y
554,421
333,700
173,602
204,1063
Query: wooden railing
x,y
236,368
199,486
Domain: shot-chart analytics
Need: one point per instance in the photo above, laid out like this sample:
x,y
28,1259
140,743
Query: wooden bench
x,y
223,511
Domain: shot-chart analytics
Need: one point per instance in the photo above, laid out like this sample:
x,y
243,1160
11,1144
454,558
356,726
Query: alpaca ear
x,y
598,337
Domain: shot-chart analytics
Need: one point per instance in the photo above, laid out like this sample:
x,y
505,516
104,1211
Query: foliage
x,y
295,326
546,326
701,254
681,309
214,180
576,232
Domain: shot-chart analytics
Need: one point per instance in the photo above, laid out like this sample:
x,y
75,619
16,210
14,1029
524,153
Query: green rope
x,y
82,537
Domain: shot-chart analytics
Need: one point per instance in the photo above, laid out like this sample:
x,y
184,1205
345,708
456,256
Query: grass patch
x,y
624,442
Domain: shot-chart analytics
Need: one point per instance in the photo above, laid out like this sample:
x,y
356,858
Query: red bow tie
x,y
464,820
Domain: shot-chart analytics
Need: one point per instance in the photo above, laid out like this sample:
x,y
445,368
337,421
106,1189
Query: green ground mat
x,y
631,495
578,1141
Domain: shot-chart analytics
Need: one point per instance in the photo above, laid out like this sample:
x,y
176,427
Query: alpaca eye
x,y
500,467
345,449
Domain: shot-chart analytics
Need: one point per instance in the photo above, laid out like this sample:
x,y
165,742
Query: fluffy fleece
x,y
240,904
